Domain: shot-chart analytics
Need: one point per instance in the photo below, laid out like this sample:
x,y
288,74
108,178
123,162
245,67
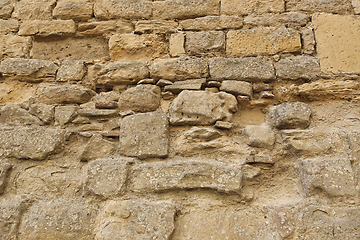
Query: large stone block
x,y
201,108
302,67
186,174
337,43
15,46
315,6
262,41
251,69
128,9
11,209
97,147
204,42
34,9
73,9
8,26
209,23
46,28
6,8
145,135
245,7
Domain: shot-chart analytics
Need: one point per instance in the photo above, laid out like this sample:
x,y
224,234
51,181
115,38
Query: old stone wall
x,y
179,119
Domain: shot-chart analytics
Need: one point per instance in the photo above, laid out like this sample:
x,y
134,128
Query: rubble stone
x,y
14,46
43,111
192,84
237,87
11,209
65,114
6,8
13,114
260,136
302,67
46,28
71,71
4,170
73,9
97,147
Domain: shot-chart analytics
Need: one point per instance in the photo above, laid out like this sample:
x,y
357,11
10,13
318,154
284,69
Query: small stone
x,y
266,94
104,28
147,81
260,136
192,84
65,114
155,26
244,101
167,95
202,134
71,71
177,44
97,147
106,105
209,23
85,134
302,67
223,125
46,28
81,120
126,113
259,159
262,87
214,84
73,9
163,83
142,98
237,87
212,89
4,170
308,40
43,111
93,112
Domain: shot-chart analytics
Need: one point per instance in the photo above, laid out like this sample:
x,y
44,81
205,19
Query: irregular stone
x,y
43,111
106,177
202,134
223,125
136,219
106,96
204,42
88,49
13,114
209,23
71,71
336,42
6,8
266,94
93,112
163,83
192,84
290,19
355,4
315,6
332,175
126,113
14,46
183,9
52,94
65,114
8,26
179,69
106,105
46,28
308,40
177,44
155,26
73,9
167,95
189,174
105,28
243,7
4,170
144,135
11,209
34,143
259,159
289,115
262,87
34,9
251,68
301,67
110,74
201,108
260,136
96,148
128,9
59,219
147,81
133,47
262,40
237,87
142,98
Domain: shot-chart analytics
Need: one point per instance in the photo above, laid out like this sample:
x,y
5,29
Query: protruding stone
x,y
177,44
202,134
147,81
164,83
11,209
192,84
294,68
34,9
315,6
43,111
105,28
223,125
106,105
204,42
142,98
45,28
201,108
71,71
260,136
289,115
145,135
4,170
13,114
97,147
209,23
237,87
73,9
128,9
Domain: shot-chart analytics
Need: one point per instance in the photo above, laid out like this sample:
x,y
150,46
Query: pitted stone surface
x,y
4,170
303,67
11,209
260,136
128,9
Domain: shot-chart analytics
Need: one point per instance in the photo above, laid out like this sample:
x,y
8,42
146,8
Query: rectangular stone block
x,y
192,84
209,23
71,71
15,46
251,69
128,9
73,9
338,43
301,67
8,26
155,26
237,87
11,209
316,6
45,28
291,19
177,44
262,41
356,6
34,9
246,7
105,28
204,42
183,9
6,8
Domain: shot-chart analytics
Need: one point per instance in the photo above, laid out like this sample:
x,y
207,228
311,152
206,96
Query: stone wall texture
x,y
179,119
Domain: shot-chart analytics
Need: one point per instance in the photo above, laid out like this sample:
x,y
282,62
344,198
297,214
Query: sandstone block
x,y
237,87
333,176
308,40
144,135
179,69
337,43
189,174
65,114
133,47
262,41
201,108
155,26
11,209
314,6
6,8
243,7
14,46
204,42
289,115
34,143
46,28
290,19
192,84
356,6
106,177
34,9
105,28
260,136
142,98
71,71
301,67
177,44
182,9
4,170
58,219
136,219
52,94
93,112
202,134
43,111
113,73
29,70
209,23
73,9
97,147
251,68
128,9
8,26
13,114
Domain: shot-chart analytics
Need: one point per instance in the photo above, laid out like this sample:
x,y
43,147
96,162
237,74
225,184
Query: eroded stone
x,y
46,28
313,6
4,170
245,7
192,84
105,28
237,87
204,42
14,46
128,9
34,9
73,9
71,71
260,136
6,8
43,111
11,209
8,26
155,26
13,114
209,23
290,19
302,67
97,147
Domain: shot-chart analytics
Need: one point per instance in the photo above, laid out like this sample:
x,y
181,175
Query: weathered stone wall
x,y
179,119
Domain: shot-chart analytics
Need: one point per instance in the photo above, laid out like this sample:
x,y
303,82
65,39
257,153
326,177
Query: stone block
x,y
43,111
128,9
6,8
308,40
145,135
11,209
177,44
192,84
183,9
13,114
337,43
142,98
210,23
237,87
356,6
15,46
289,115
5,167
29,70
105,28
204,42
8,26
179,69
260,136
46,28
201,108
301,67
155,26
136,219
71,70
97,147
34,9
65,114
252,69
262,41
186,174
246,7
290,19
73,9
315,6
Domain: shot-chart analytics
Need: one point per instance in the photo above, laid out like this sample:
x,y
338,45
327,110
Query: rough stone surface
x,y
73,9
6,8
243,7
142,98
97,147
46,28
192,84
128,9
209,23
205,109
34,9
177,44
43,111
14,46
356,5
8,26
71,71
155,26
291,19
13,114
190,174
65,114
260,136
105,28
11,209
302,67
4,172
308,40
204,42
145,135
237,87
312,6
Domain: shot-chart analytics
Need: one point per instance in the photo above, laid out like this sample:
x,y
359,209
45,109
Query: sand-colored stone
x,y
313,6
15,46
46,28
8,26
338,43
209,23
176,44
97,147
155,26
11,209
204,42
71,71
291,19
104,28
301,67
128,9
34,9
73,9
245,7
6,8
356,6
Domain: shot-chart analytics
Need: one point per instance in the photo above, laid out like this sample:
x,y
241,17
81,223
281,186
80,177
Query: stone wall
x,y
179,119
